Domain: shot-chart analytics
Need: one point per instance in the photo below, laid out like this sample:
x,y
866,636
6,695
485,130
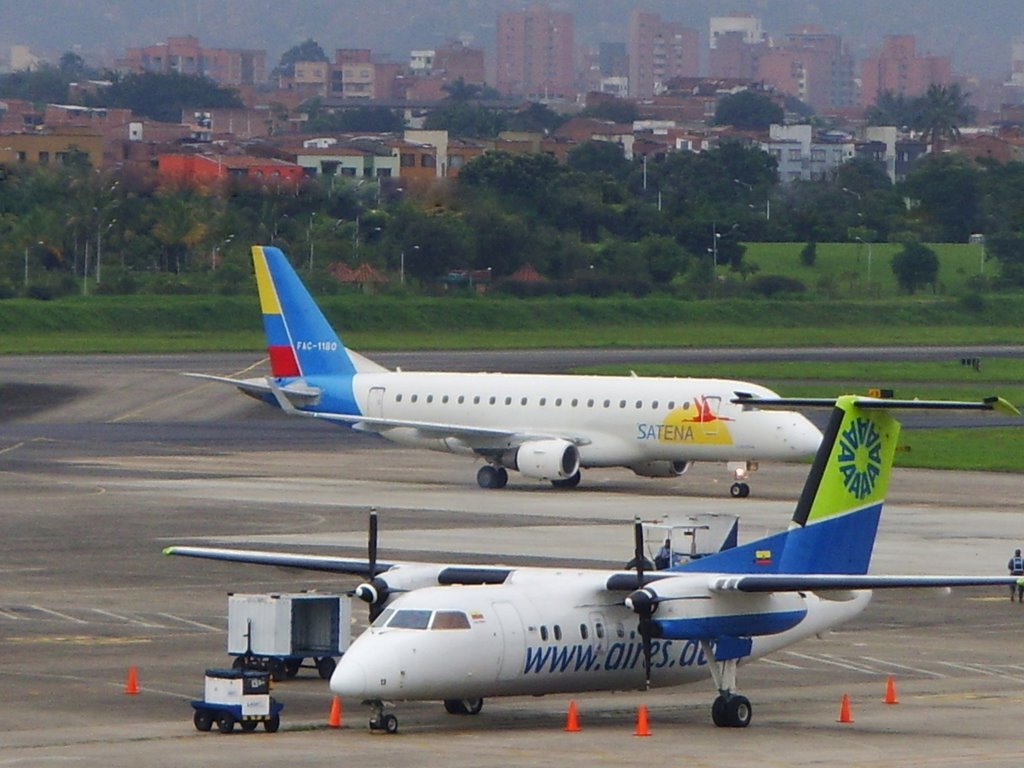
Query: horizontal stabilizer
x,y
296,392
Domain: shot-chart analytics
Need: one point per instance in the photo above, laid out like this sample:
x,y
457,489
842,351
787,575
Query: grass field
x,y
841,269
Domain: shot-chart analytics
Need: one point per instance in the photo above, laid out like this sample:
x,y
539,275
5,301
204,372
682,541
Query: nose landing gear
x,y
379,721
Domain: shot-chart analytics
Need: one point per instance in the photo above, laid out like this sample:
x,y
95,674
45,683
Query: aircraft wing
x,y
822,582
355,566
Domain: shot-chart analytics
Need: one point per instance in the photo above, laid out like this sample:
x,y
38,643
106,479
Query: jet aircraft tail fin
x,y
300,341
836,518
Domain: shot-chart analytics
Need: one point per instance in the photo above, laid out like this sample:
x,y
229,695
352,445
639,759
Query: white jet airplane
x,y
546,427
461,633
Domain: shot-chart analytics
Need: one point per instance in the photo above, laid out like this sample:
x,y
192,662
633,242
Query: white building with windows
x,y
801,156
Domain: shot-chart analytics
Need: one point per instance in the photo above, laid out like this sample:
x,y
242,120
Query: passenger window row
x,y
558,402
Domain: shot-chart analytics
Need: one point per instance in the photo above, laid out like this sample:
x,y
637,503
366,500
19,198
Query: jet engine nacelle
x,y
660,468
545,459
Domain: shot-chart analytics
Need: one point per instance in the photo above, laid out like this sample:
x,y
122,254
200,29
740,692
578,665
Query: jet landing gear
x,y
380,721
729,710
492,476
740,472
739,490
463,706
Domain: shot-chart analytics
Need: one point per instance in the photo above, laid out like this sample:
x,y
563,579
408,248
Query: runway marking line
x,y
79,640
127,619
893,664
58,614
190,621
176,396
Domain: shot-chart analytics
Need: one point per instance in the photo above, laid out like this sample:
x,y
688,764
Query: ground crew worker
x,y
663,559
1016,567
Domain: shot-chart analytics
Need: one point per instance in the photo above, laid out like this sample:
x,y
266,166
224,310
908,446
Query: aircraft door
x,y
709,415
513,649
375,402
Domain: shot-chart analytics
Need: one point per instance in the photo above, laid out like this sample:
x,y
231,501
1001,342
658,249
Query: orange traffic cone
x,y
844,710
890,691
131,685
572,722
642,728
334,719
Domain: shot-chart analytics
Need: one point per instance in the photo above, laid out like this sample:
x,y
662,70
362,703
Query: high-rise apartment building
x,y
536,54
812,65
184,55
659,51
899,69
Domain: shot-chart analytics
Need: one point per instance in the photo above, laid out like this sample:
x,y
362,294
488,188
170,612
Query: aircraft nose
x,y
349,678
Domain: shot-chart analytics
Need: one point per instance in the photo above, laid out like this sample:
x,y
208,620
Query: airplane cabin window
x,y
493,400
686,405
654,405
671,405
398,398
543,401
558,632
523,401
590,403
430,398
558,401
544,633
476,400
462,399
599,630
414,398
444,399
607,403
575,402
583,631
622,403
450,620
620,631
508,401
639,404
381,620
410,619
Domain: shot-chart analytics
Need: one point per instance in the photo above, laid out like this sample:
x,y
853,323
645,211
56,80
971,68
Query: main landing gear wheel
x,y
490,476
463,706
731,711
569,482
739,490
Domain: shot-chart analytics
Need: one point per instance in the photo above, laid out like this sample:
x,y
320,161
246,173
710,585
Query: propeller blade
x,y
638,550
372,543
645,637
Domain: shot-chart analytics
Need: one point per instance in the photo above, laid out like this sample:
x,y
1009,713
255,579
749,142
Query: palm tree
x,y
943,109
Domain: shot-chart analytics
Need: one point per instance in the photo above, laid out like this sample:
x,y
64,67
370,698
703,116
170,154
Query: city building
x,y
746,27
802,156
53,146
205,170
815,67
898,68
353,75
658,52
536,54
184,55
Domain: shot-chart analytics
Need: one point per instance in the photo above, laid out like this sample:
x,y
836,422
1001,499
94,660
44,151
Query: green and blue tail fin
x,y
836,518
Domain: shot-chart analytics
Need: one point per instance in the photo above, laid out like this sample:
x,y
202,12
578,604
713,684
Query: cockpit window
x,y
410,619
450,620
381,620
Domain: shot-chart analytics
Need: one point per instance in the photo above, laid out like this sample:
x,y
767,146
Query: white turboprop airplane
x,y
546,427
460,633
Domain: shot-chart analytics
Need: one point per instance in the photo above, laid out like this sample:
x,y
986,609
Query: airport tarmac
x,y
105,461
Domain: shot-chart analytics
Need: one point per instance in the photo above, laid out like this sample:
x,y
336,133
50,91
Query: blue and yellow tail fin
x,y
300,341
836,519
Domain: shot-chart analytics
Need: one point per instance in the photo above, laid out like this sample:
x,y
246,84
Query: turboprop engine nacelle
x,y
545,459
660,468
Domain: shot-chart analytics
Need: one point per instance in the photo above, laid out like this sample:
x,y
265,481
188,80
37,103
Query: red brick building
x,y
536,54
659,51
184,55
899,69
